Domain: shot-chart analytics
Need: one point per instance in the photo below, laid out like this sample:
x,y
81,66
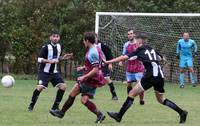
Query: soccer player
x,y
184,52
87,84
153,77
107,68
49,57
134,68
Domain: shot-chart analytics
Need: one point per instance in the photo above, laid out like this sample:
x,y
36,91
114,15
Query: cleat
x,y
181,86
115,98
183,116
194,85
91,97
141,102
115,116
100,118
30,108
56,113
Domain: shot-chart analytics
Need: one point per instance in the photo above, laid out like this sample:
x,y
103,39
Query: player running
x,y
87,84
153,77
184,52
107,68
134,68
49,57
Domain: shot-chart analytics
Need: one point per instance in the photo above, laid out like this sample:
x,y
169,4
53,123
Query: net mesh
x,y
163,32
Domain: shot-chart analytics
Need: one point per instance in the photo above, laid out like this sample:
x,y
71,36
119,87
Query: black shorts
x,y
106,71
45,78
156,82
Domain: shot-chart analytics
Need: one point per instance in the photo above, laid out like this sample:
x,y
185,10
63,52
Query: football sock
x,y
35,96
172,105
127,104
192,78
181,78
112,89
58,99
129,88
92,107
68,103
141,96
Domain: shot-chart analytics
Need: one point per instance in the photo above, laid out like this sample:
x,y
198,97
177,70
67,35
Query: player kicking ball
x,y
153,77
87,84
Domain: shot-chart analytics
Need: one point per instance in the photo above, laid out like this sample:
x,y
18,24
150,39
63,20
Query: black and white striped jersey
x,y
49,51
107,53
150,59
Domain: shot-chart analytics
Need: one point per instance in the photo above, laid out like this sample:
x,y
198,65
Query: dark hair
x,y
141,36
55,32
90,36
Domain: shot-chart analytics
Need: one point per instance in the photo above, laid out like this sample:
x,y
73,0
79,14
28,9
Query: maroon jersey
x,y
133,66
93,58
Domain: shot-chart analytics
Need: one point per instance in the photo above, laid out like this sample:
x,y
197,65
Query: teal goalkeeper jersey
x,y
184,48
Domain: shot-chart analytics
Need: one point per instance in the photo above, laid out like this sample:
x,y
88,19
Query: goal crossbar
x,y
141,14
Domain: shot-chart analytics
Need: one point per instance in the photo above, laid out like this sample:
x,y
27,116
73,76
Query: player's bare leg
x,y
68,103
162,100
36,93
137,89
92,107
141,95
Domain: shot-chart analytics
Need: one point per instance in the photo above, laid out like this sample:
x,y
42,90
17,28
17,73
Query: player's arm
x,y
124,52
92,73
161,57
94,60
43,56
108,54
66,56
195,48
80,68
107,51
178,47
117,59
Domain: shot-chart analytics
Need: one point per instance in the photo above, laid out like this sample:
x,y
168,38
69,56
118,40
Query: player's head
x,y
140,39
186,36
89,38
55,36
131,34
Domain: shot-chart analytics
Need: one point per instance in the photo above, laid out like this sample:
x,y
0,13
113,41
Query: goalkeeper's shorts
x,y
186,62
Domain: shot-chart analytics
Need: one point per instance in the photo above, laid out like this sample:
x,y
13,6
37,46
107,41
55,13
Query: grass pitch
x,y
14,102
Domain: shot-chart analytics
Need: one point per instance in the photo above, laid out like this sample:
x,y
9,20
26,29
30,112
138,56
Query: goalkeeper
x,y
184,53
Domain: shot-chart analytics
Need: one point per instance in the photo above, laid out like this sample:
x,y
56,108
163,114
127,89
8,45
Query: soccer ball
x,y
7,81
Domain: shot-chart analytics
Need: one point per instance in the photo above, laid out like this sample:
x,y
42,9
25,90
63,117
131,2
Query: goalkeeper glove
x,y
177,56
195,54
198,61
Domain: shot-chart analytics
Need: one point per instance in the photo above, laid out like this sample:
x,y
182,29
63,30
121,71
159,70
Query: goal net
x,y
163,29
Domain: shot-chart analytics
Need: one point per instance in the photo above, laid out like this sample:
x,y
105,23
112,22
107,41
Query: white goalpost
x,y
163,29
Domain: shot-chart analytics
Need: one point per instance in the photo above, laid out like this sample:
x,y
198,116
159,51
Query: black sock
x,y
68,104
172,105
112,89
129,88
127,104
35,96
58,98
